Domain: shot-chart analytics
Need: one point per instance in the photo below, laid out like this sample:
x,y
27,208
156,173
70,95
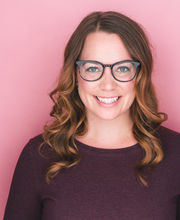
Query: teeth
x,y
107,100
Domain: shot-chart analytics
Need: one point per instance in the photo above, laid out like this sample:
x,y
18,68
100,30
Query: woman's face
x,y
106,48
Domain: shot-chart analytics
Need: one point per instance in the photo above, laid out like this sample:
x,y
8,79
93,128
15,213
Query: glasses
x,y
123,71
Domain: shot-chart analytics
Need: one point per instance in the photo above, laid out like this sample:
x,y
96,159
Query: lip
x,y
107,104
103,97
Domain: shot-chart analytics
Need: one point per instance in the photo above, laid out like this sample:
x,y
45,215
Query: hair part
x,y
70,113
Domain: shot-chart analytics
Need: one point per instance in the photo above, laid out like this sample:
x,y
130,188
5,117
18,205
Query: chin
x,y
106,116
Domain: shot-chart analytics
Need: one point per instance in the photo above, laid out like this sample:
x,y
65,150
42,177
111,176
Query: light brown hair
x,y
70,113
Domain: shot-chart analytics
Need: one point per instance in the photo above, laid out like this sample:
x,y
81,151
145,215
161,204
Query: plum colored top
x,y
103,186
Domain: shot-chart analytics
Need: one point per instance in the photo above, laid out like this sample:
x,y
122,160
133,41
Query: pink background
x,y
32,40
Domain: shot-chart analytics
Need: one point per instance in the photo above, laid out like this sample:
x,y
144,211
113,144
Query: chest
x,y
108,190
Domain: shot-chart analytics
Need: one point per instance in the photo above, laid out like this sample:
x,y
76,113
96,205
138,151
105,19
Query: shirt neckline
x,y
106,151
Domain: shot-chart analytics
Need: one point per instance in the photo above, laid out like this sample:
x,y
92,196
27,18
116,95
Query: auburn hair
x,y
70,114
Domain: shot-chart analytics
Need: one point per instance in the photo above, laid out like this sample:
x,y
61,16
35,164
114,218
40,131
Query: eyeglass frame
x,y
136,63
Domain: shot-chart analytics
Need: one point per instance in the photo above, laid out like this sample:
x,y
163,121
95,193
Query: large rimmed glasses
x,y
123,71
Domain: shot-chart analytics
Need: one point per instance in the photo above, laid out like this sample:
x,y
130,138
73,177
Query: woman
x,y
106,155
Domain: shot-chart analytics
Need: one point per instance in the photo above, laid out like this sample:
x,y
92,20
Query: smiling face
x,y
106,48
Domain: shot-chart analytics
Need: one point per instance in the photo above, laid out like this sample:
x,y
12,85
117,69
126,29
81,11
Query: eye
x,y
92,69
123,69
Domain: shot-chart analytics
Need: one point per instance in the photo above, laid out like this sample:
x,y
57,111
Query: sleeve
x,y
178,208
23,200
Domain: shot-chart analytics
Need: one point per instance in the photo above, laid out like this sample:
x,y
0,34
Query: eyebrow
x,y
102,63
106,63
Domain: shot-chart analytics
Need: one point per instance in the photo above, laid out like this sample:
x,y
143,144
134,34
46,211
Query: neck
x,y
107,132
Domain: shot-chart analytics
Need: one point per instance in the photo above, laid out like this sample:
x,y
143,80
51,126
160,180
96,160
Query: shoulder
x,y
38,150
168,134
36,140
33,144
170,140
167,131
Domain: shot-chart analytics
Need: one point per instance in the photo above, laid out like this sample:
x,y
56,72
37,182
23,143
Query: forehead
x,y
104,47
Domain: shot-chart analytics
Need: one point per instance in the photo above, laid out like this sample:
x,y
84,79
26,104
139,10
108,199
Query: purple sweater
x,y
103,186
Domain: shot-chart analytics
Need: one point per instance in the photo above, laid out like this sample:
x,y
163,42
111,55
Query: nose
x,y
107,81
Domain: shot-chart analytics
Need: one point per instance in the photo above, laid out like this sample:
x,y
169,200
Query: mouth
x,y
108,100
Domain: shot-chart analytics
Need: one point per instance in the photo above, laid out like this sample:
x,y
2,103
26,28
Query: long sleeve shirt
x,y
102,186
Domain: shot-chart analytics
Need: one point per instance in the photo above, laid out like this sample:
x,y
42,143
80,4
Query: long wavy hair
x,y
70,114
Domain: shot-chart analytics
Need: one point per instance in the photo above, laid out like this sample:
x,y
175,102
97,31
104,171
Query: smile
x,y
107,102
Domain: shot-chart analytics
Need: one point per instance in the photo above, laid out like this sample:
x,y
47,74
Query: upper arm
x,y
23,200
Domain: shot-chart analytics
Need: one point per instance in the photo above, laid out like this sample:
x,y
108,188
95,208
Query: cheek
x,y
85,86
129,94
128,88
85,89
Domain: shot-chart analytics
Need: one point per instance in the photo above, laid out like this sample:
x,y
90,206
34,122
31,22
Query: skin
x,y
107,127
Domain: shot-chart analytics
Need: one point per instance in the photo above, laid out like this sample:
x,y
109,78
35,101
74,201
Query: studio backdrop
x,y
33,35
